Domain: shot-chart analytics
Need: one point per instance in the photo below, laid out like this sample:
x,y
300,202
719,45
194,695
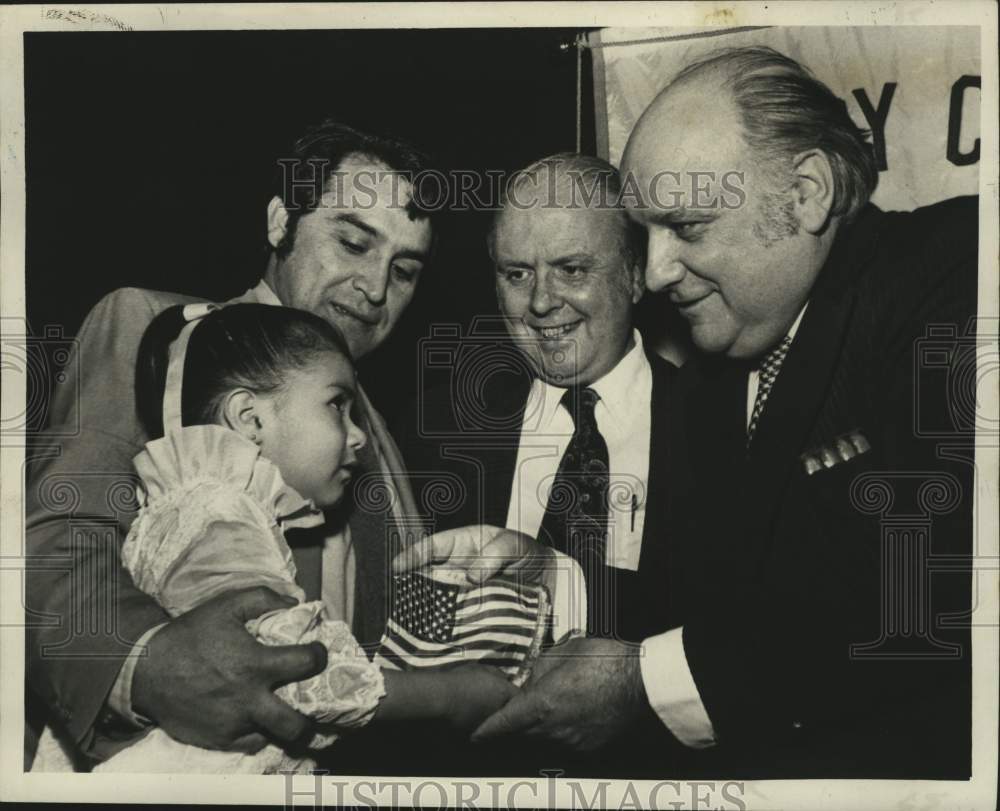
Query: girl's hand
x,y
475,692
473,554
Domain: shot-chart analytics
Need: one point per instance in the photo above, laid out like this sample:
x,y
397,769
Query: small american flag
x,y
501,623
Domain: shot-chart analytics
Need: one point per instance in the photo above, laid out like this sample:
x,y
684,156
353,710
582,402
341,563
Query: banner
x,y
916,88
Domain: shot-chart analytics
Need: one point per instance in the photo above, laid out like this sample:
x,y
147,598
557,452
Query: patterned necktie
x,y
768,371
576,515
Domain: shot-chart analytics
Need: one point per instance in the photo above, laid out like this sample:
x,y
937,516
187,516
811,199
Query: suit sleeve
x,y
83,611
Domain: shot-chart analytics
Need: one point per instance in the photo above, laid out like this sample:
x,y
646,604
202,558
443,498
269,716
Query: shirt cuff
x,y
568,591
672,692
120,697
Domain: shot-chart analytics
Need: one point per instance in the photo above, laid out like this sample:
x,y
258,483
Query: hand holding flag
x,y
473,554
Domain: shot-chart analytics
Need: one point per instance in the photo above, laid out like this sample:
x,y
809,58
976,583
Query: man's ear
x,y
277,221
637,278
241,411
813,190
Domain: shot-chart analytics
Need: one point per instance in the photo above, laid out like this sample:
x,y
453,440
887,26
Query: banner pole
x,y
579,91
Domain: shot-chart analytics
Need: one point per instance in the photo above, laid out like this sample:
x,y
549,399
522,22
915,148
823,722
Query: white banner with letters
x,y
917,89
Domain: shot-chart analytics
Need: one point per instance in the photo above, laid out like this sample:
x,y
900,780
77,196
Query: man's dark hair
x,y
786,110
251,346
302,174
594,182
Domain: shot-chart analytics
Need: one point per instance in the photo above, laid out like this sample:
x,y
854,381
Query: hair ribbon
x,y
193,313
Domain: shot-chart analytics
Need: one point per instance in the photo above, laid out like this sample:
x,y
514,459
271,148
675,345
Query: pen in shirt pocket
x,y
635,506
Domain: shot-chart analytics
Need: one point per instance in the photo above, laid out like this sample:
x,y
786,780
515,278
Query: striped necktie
x,y
768,371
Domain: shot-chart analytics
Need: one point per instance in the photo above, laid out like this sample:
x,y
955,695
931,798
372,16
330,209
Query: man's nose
x,y
373,282
663,262
544,298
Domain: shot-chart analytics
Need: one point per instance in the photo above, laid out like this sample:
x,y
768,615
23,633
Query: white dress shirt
x,y
670,687
623,418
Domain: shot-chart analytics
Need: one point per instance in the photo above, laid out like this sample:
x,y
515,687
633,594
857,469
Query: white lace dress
x,y
212,520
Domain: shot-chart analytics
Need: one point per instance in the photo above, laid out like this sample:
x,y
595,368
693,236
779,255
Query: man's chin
x,y
359,341
557,375
713,341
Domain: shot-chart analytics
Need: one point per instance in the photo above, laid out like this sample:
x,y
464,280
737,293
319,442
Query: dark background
x,y
150,155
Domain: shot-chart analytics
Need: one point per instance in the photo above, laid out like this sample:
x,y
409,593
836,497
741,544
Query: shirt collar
x,y
616,388
264,294
795,325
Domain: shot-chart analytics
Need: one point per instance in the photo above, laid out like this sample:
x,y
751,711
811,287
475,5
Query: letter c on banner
x,y
955,155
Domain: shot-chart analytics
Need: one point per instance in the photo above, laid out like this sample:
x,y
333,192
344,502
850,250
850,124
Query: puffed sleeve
x,y
203,542
347,693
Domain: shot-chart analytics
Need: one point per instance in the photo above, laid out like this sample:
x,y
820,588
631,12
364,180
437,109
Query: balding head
x,y
743,169
782,110
572,181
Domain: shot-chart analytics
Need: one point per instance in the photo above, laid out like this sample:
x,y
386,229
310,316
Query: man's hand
x,y
206,681
587,691
478,552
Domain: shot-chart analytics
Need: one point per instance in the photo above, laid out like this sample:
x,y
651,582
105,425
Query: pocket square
x,y
842,449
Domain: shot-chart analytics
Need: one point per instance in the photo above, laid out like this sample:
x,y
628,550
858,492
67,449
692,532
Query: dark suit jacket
x,y
812,625
84,614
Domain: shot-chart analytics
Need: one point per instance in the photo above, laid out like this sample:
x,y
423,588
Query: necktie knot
x,y
768,370
771,362
580,402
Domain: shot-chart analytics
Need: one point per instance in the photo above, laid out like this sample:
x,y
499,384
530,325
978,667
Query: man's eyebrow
x,y
357,222
680,215
409,253
571,258
514,263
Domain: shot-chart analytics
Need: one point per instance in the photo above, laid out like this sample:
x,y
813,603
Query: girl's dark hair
x,y
250,346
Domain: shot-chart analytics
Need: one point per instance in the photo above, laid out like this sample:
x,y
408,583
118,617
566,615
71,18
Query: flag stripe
x,y
434,623
493,615
494,594
412,644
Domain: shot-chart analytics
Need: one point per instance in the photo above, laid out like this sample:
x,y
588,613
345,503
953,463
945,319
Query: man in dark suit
x,y
102,656
808,636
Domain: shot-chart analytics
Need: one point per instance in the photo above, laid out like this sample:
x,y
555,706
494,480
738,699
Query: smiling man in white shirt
x,y
562,428
568,276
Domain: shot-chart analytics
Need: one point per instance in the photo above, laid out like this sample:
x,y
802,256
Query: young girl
x,y
255,437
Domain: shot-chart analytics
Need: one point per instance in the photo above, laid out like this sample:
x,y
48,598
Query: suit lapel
x,y
799,393
804,381
485,456
716,413
500,458
659,493
369,537
711,434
